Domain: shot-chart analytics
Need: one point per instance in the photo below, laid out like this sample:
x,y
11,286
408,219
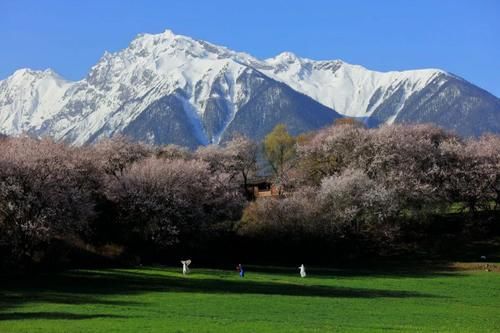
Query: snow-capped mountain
x,y
415,96
29,97
168,88
351,89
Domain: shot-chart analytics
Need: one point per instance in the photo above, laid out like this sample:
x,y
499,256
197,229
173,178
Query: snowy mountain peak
x,y
169,34
30,74
148,40
24,81
28,97
283,58
165,85
24,72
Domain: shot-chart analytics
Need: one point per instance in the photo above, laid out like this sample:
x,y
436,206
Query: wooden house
x,y
262,187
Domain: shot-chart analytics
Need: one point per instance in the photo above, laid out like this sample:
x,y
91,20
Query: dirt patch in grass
x,y
476,266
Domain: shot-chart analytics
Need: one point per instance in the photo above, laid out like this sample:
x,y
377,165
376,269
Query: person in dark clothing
x,y
240,269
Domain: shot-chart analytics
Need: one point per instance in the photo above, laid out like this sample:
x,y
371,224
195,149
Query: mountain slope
x,y
454,104
418,96
351,89
168,88
273,103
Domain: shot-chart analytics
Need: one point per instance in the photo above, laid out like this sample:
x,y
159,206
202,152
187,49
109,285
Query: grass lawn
x,y
266,300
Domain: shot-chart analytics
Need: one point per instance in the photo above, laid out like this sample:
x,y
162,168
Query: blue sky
x,y
459,36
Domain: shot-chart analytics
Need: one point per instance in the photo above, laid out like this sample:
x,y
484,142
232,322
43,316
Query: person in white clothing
x,y
302,270
185,266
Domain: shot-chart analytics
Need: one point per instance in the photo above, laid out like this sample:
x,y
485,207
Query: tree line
x,y
345,192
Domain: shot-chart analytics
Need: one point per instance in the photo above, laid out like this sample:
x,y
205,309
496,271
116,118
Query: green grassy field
x,y
266,300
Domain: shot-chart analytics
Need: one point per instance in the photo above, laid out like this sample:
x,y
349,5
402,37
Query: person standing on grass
x,y
240,269
185,266
302,270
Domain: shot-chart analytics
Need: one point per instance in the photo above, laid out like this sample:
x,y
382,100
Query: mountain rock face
x,y
169,88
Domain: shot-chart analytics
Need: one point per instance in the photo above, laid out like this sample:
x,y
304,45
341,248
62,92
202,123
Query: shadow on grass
x,y
52,315
96,287
38,294
423,271
242,286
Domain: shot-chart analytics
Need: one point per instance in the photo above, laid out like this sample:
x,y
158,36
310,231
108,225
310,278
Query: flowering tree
x,y
408,159
488,149
472,172
351,202
173,152
331,150
46,192
159,199
294,216
117,153
237,158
